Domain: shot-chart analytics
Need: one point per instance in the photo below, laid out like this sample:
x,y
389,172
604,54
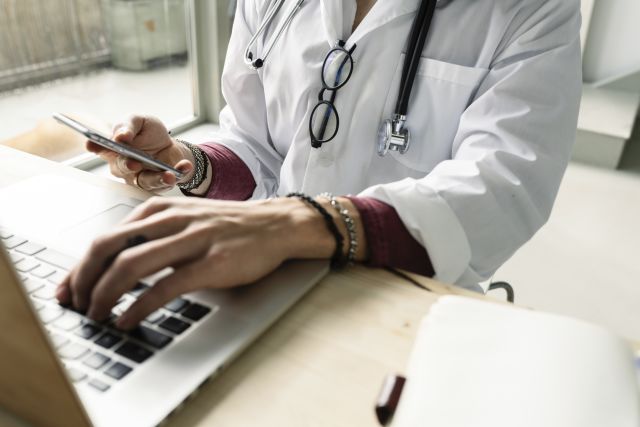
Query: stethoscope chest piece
x,y
392,136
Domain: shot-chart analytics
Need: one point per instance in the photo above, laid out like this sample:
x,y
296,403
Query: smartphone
x,y
117,147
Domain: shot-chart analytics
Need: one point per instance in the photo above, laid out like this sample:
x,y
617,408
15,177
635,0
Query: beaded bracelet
x,y
349,224
338,260
201,168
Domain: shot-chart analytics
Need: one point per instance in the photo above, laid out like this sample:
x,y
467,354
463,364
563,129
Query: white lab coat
x,y
492,117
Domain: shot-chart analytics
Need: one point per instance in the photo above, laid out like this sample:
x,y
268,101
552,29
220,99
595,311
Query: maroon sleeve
x,y
232,179
390,244
389,241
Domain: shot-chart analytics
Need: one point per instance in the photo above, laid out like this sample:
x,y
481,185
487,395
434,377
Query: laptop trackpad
x,y
62,212
78,238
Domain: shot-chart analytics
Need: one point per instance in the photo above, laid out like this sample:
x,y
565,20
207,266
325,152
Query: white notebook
x,y
478,363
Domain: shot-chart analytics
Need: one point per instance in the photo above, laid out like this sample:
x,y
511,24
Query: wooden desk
x,y
322,364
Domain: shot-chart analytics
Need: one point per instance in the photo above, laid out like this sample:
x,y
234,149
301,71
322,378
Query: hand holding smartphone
x,y
117,147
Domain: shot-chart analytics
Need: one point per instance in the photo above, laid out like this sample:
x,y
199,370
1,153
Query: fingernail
x,y
120,134
60,291
122,322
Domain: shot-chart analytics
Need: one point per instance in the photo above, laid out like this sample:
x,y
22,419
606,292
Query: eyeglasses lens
x,y
336,69
324,122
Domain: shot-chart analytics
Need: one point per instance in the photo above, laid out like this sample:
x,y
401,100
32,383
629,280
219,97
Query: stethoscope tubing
x,y
395,129
415,47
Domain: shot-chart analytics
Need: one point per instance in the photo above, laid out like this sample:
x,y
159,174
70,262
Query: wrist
x,y
362,252
198,181
304,233
183,153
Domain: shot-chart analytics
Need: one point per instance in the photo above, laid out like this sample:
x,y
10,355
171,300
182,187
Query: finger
x,y
133,165
94,148
127,131
155,181
127,166
139,262
103,249
151,207
183,280
184,166
63,291
159,181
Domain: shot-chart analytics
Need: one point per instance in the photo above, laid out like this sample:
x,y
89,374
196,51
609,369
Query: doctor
x,y
490,118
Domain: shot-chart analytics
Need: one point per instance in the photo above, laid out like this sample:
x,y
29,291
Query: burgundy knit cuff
x,y
232,179
389,241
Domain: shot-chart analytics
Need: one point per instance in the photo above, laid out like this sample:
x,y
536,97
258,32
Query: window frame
x,y
207,45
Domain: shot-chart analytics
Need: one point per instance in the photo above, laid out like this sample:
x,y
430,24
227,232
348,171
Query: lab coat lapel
x,y
382,12
385,11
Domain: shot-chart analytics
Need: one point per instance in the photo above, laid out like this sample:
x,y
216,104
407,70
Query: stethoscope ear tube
x,y
273,9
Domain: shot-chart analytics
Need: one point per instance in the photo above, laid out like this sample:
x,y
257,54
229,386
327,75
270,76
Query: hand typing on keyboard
x,y
209,244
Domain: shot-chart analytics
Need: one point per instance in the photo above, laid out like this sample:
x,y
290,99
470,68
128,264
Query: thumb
x,y
187,168
124,135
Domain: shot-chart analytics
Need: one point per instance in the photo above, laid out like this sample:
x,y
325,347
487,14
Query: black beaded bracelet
x,y
338,260
201,168
348,223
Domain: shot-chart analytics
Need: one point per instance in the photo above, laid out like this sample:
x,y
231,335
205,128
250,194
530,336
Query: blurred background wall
x,y
613,46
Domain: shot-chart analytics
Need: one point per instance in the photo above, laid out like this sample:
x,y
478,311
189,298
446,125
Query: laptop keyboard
x,y
92,352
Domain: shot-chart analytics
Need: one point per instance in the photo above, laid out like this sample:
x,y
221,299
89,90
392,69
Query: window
x,y
97,60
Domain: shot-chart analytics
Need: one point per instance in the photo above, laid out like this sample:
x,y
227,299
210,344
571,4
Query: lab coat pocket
x,y
441,93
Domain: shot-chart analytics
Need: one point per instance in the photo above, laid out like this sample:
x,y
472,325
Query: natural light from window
x,y
97,60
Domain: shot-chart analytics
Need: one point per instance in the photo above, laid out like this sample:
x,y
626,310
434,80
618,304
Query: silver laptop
x,y
68,370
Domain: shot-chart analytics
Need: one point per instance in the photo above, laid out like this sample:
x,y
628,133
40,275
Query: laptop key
x,y
177,305
73,351
49,314
76,375
57,259
13,242
118,371
46,293
97,360
122,306
16,258
133,351
26,265
88,330
108,340
155,317
174,325
68,322
43,271
139,289
150,337
4,234
58,340
32,285
99,385
30,248
57,277
195,311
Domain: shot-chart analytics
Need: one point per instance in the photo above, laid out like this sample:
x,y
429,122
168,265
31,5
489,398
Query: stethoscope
x,y
272,11
393,135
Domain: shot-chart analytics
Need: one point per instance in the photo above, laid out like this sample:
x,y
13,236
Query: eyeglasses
x,y
336,71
